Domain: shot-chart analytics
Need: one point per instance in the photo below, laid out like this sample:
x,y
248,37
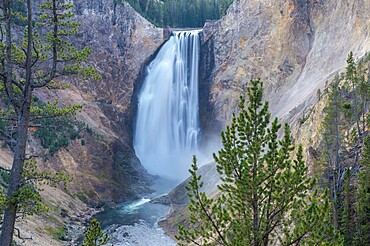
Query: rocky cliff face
x,y
104,165
293,46
122,41
106,168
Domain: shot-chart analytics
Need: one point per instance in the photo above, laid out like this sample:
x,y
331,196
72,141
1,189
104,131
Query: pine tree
x,y
347,218
94,236
363,204
352,80
35,48
265,196
333,144
345,124
364,92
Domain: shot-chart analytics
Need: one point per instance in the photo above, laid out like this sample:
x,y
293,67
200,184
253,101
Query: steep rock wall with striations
x,y
294,46
122,41
104,165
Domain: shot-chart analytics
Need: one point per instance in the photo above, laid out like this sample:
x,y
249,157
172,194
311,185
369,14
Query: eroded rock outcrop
x,y
105,166
294,46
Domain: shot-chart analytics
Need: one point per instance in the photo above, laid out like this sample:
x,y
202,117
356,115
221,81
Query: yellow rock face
x,y
294,47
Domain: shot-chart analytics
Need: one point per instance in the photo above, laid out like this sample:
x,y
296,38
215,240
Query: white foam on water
x,y
133,207
140,234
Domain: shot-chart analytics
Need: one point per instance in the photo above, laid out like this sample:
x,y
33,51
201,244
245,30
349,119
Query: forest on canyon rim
x,y
180,14
341,161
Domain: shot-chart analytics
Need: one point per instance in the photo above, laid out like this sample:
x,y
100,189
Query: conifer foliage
x,y
362,234
94,236
265,196
343,166
180,13
35,49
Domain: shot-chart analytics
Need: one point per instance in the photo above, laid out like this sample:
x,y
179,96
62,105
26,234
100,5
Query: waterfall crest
x,y
167,124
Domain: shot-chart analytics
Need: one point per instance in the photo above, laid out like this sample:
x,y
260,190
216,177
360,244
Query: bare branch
x,y
8,139
5,169
7,118
27,158
42,117
37,55
43,126
19,234
33,117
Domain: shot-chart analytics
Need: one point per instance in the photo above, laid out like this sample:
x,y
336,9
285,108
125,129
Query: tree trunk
x,y
356,115
255,203
16,172
354,87
10,212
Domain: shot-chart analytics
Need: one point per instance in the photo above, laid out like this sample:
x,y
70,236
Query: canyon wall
x,y
294,46
103,165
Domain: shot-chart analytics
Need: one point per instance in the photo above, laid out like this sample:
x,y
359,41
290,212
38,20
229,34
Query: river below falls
x,y
166,136
136,222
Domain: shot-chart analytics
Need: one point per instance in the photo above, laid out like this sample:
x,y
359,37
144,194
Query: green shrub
x,y
56,132
94,236
58,233
5,176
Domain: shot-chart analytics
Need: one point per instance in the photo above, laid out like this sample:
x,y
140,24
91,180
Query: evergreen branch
x,y
303,234
52,73
20,87
205,211
8,56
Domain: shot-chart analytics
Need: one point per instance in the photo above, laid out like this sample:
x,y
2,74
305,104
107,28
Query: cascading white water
x,y
167,124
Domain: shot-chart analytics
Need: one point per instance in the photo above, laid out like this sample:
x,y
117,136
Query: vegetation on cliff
x,y
266,196
341,168
54,129
343,163
179,13
94,236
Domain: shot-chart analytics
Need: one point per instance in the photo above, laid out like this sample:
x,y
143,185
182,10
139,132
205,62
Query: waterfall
x,y
167,124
